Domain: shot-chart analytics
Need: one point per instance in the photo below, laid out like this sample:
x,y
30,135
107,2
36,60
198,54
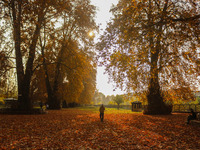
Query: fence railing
x,y
186,107
116,106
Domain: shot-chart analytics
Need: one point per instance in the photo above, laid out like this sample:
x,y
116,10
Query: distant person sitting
x,y
41,105
101,110
193,116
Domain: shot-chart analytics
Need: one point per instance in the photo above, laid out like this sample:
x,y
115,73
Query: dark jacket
x,y
101,109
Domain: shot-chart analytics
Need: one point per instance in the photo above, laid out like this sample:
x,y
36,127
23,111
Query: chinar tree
x,y
29,22
67,52
153,46
25,19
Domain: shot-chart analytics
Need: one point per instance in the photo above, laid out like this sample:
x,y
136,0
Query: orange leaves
x,y
81,129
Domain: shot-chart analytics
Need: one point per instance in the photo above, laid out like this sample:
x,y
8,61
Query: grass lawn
x,y
108,110
80,128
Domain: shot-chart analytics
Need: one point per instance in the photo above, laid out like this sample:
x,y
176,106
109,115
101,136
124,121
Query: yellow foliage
x,y
152,41
1,100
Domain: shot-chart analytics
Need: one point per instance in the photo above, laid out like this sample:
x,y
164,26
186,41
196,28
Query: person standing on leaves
x,y
101,110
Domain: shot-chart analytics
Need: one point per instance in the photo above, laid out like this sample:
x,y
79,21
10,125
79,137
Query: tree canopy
x,y
51,45
153,46
118,99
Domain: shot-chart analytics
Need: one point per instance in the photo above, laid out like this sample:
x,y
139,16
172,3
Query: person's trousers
x,y
102,116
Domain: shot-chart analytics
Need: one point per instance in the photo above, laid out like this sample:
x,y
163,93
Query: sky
x,y
102,17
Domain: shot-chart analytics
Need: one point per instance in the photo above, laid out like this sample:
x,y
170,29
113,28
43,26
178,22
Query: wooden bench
x,y
195,122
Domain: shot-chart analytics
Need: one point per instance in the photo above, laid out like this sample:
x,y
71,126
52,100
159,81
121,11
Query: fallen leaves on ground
x,y
81,129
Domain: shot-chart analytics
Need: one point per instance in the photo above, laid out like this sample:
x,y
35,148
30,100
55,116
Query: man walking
x,y
101,110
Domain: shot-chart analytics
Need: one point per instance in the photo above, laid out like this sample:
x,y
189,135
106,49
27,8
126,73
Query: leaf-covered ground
x,y
82,129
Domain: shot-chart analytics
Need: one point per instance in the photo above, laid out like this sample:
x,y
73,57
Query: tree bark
x,y
16,16
26,102
47,82
154,97
53,100
155,100
24,79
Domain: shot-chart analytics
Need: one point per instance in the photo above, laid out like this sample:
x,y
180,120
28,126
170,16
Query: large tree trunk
x,y
47,82
26,101
56,102
154,97
53,100
16,16
155,100
24,79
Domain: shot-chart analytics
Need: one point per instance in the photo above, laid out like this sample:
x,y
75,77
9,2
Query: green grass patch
x,y
88,108
107,110
2,106
119,111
